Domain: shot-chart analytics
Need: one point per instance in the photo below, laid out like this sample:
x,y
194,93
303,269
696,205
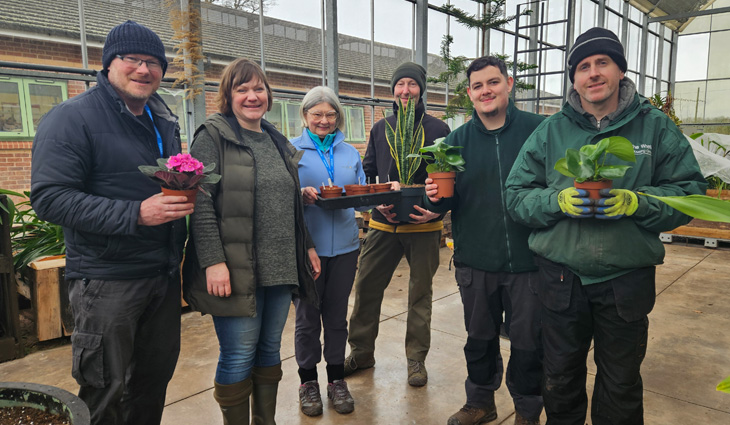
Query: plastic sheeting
x,y
709,149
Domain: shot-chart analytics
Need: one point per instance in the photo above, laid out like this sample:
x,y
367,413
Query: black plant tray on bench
x,y
355,201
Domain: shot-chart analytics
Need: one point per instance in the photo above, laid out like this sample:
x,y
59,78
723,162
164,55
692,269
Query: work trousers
x,y
614,314
125,346
380,255
333,287
485,296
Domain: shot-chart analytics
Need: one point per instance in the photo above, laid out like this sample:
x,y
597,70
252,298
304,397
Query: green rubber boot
x,y
265,386
234,401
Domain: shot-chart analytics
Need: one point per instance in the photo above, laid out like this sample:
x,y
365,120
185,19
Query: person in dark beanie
x,y
388,240
597,258
124,239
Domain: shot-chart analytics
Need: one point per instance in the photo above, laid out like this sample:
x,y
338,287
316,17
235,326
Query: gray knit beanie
x,y
131,37
410,70
596,41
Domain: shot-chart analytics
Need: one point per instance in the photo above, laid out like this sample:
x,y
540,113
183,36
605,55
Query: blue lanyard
x,y
331,167
157,132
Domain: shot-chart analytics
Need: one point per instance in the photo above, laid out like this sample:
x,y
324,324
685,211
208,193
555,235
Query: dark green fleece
x,y
485,236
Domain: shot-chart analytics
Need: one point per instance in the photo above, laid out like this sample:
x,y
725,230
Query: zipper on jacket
x,y
504,208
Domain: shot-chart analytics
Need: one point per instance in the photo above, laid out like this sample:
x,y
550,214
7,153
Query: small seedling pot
x,y
330,191
380,187
191,194
593,187
356,189
445,181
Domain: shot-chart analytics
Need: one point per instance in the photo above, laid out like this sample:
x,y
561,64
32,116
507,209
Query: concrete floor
x,y
688,354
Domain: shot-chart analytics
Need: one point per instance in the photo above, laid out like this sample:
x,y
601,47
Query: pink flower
x,y
184,162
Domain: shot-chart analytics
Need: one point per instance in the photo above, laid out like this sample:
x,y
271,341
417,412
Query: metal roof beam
x,y
689,14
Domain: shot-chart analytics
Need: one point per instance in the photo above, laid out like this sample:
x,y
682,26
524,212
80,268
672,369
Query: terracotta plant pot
x,y
380,187
445,181
330,191
356,189
594,187
191,194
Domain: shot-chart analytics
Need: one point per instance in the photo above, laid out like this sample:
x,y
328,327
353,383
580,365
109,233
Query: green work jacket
x,y
595,249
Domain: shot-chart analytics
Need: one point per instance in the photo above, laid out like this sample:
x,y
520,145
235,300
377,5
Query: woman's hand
x,y
219,280
316,265
309,195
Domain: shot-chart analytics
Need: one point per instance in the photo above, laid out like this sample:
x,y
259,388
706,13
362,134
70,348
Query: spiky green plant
x,y
405,139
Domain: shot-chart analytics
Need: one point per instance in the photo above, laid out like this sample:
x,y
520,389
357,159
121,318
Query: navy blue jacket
x,y
84,176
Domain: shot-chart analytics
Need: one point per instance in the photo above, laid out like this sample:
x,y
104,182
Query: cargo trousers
x,y
613,314
125,346
485,296
379,257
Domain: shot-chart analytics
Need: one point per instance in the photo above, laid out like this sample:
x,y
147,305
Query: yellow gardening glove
x,y
573,203
616,203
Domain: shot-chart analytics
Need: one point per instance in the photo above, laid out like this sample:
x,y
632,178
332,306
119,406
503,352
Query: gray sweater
x,y
274,212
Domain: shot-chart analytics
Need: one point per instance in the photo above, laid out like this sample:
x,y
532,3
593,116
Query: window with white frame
x,y
24,101
284,115
175,100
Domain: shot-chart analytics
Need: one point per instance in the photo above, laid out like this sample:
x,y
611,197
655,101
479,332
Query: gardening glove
x,y
573,203
616,203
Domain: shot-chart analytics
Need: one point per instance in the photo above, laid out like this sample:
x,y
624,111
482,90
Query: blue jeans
x,y
248,342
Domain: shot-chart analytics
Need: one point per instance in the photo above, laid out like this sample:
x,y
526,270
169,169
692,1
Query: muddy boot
x,y
265,386
233,400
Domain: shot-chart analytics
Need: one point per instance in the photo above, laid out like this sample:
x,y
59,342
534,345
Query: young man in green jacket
x,y
495,269
597,263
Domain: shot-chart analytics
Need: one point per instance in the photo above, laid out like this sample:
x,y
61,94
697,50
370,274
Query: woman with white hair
x,y
335,234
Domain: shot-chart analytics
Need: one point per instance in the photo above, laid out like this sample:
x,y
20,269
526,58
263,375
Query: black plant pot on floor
x,y
409,197
46,398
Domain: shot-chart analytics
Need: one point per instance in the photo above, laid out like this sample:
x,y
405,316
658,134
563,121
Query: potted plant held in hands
x,y
406,139
443,161
181,175
588,165
591,173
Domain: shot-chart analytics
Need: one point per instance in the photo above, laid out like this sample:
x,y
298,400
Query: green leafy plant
x,y
405,139
441,157
724,386
31,237
714,182
698,206
589,163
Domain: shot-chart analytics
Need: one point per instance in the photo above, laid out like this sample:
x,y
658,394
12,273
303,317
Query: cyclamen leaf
x,y
698,206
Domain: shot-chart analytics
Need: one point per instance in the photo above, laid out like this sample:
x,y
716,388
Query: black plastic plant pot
x,y
46,398
409,197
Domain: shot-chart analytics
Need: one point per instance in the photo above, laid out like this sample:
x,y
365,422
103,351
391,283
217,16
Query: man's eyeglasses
x,y
152,64
331,116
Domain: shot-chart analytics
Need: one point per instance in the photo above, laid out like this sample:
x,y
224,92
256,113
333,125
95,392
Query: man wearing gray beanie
x,y
597,257
124,240
388,240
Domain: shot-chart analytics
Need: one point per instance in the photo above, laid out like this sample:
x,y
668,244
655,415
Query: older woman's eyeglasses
x,y
331,116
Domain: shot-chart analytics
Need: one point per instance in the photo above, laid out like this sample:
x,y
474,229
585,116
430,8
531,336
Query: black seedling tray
x,y
355,201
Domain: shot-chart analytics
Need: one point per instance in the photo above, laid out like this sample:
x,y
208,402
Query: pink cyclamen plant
x,y
181,172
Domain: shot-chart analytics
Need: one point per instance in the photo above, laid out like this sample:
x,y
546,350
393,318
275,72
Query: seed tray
x,y
355,201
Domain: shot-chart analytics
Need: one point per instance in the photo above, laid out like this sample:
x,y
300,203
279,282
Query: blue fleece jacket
x,y
334,232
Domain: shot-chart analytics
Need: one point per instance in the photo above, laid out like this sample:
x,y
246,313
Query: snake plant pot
x,y
445,181
410,197
191,194
44,398
593,187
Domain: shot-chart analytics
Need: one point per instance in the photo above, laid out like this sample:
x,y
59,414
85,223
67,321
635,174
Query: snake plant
x,y
405,139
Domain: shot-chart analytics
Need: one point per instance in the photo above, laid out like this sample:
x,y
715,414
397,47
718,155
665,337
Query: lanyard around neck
x,y
157,132
331,166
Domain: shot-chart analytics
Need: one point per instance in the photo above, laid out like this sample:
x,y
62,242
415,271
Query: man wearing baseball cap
x,y
124,240
388,240
597,259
